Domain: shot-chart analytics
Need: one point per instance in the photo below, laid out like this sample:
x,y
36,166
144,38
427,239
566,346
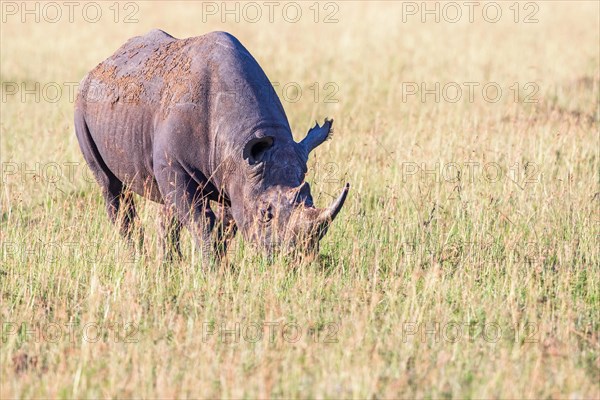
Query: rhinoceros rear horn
x,y
317,135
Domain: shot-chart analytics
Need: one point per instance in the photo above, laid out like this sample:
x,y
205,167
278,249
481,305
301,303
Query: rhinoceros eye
x,y
266,214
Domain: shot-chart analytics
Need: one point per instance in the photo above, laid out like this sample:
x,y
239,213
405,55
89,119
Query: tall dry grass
x,y
430,284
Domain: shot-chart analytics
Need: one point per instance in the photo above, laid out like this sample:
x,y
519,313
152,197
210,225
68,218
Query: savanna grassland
x,y
465,263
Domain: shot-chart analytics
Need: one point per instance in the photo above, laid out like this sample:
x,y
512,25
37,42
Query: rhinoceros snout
x,y
293,223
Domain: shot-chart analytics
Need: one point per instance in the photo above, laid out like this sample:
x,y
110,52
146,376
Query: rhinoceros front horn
x,y
327,215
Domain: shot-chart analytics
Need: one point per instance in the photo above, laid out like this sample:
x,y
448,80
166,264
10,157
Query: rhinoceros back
x,y
138,92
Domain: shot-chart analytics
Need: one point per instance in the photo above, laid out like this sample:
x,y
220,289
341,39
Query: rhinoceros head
x,y
278,210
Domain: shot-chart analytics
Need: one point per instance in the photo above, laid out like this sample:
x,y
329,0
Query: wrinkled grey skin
x,y
186,122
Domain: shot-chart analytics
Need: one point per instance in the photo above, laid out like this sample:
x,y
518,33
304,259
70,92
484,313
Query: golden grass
x,y
511,246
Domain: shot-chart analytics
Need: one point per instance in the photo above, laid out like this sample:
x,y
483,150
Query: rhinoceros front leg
x,y
185,195
225,228
169,234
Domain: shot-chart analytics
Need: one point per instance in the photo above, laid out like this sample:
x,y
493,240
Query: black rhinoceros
x,y
184,122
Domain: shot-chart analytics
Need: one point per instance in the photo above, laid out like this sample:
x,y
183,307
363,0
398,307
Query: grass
x,y
430,284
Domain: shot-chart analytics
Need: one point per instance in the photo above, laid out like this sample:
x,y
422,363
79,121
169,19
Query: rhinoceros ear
x,y
317,135
255,149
